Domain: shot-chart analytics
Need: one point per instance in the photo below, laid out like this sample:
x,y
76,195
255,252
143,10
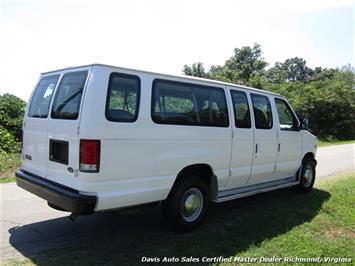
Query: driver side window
x,y
287,119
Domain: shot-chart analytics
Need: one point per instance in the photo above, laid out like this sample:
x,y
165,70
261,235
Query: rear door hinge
x,y
78,130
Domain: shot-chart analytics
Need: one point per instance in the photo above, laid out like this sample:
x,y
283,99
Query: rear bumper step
x,y
56,194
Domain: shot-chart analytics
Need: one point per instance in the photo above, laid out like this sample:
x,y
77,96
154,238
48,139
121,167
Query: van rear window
x,y
68,96
42,97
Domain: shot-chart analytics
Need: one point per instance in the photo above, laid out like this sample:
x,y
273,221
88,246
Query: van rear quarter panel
x,y
139,161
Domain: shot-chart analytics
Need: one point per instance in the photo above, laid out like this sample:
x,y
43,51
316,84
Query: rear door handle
x,y
279,147
256,148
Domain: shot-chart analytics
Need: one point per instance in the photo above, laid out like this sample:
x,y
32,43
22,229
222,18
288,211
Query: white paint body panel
x,y
242,151
263,167
35,144
139,161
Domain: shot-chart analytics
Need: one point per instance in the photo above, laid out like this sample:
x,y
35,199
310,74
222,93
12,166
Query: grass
x,y
4,180
331,233
327,143
9,163
280,223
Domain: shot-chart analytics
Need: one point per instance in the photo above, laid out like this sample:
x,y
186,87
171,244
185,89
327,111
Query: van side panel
x,y
140,160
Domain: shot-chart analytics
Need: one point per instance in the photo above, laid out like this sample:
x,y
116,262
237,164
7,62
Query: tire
x,y
308,176
187,203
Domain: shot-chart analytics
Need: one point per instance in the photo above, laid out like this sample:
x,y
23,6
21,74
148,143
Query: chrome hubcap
x,y
191,204
308,175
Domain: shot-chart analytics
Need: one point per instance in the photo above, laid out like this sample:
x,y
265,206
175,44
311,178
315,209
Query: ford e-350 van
x,y
100,137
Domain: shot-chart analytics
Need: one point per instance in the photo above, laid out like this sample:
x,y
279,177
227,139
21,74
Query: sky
x,y
163,35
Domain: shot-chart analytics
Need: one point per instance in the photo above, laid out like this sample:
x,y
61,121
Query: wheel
x,y
308,176
186,206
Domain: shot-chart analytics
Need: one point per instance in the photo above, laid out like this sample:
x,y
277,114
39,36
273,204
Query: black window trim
x,y
82,94
51,99
294,127
51,142
235,115
190,85
138,101
272,115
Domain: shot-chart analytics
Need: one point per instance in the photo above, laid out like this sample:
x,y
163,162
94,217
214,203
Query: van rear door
x,y
63,127
35,145
50,136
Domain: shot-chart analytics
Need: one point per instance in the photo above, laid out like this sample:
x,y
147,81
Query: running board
x,y
253,189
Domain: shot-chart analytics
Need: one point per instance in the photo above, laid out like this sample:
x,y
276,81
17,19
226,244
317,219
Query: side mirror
x,y
305,123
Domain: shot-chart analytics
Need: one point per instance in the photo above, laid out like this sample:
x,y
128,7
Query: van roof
x,y
166,75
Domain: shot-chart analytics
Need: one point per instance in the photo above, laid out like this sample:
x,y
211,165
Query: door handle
x,y
256,148
279,147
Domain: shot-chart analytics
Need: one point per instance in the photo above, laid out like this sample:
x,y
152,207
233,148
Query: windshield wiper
x,y
63,104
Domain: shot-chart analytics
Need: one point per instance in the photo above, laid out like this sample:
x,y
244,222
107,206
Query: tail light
x,y
89,155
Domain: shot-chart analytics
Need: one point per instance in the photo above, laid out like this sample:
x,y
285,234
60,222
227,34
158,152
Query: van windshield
x,y
68,96
42,97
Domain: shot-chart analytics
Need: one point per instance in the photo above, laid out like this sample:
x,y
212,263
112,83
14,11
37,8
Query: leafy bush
x,y
12,109
11,116
8,142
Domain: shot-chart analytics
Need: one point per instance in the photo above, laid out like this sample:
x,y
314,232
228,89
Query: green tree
x,y
218,73
277,73
329,103
196,70
292,70
319,73
244,64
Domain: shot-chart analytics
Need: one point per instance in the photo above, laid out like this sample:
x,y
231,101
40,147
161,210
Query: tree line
x,y
325,95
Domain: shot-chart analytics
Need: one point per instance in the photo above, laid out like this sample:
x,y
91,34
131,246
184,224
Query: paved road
x,y
335,159
29,226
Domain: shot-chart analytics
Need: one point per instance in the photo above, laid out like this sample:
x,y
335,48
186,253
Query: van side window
x,y
188,104
287,119
241,109
68,96
262,111
122,102
42,96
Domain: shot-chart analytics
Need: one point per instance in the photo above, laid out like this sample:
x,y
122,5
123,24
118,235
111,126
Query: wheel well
x,y
308,156
205,172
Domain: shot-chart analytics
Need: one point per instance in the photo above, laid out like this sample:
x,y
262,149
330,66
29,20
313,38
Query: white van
x,y
99,137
